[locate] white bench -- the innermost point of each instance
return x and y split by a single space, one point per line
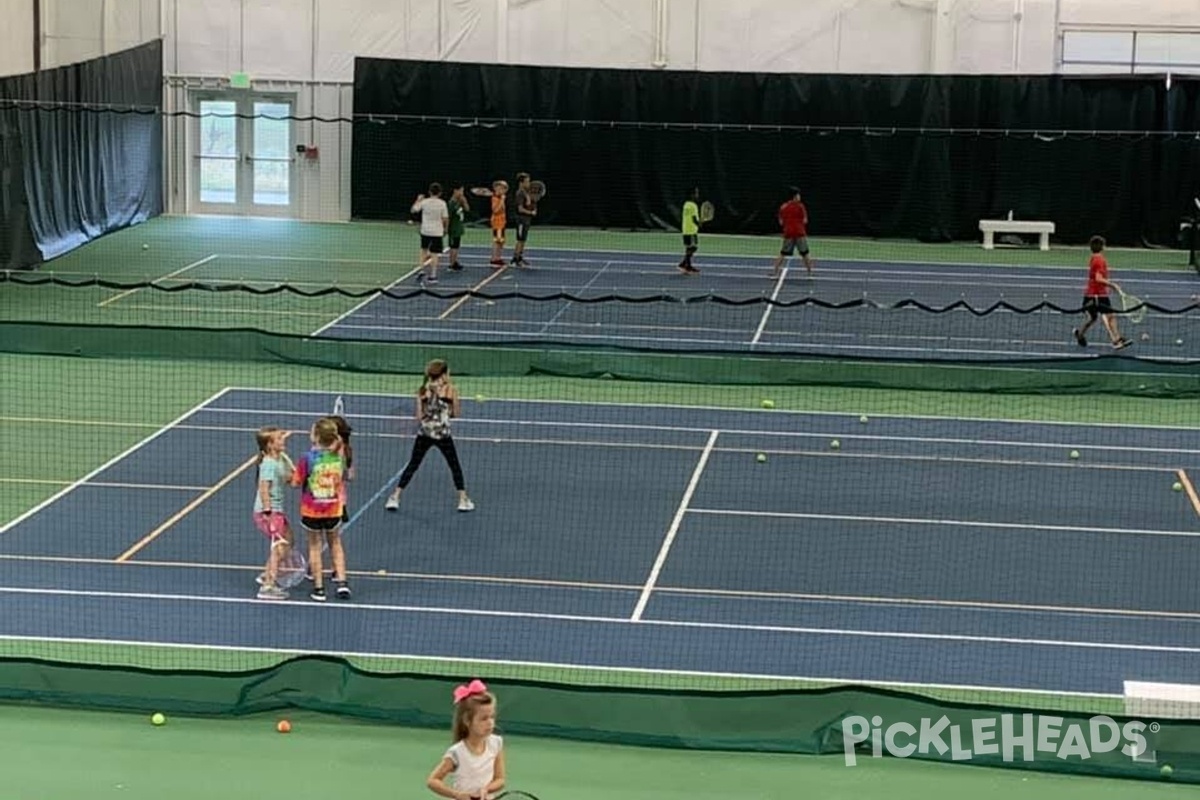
991 227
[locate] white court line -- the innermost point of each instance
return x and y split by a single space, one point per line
565 666
177 272
114 460
793 434
441 611
669 539
734 410
369 299
762 323
317 259
798 598
567 304
960 523
105 485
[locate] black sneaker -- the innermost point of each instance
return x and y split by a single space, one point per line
318 594
456 267
1082 342
1121 344
342 589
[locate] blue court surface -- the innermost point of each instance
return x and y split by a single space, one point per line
923 551
556 288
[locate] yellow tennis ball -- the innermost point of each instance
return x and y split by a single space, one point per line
1166 770
863 419
835 444
158 719
768 403
762 457
1177 486
478 398
1074 454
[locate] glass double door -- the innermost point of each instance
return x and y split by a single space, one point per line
243 157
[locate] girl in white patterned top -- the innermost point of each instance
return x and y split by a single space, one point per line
474 764
437 403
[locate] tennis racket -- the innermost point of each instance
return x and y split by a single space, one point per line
514 795
339 406
707 212
1129 303
481 191
537 190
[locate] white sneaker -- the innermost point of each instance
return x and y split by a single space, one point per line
392 504
466 505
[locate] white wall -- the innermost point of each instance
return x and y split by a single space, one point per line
307 47
16 37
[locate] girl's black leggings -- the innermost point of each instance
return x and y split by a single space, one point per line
421 447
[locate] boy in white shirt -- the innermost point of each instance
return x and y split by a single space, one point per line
435 216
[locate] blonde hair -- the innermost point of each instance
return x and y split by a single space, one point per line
263 438
467 709
325 431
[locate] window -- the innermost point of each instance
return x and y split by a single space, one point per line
1128 52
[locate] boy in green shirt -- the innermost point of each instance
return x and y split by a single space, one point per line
458 223
691 232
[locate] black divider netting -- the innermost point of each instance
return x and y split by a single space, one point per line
831 318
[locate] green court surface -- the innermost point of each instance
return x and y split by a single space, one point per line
66 755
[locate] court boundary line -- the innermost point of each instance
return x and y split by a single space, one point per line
741 410
676 523
105 484
766 315
443 611
364 303
1190 489
195 503
110 463
837 682
545 327
1015 526
789 434
168 276
456 305
630 588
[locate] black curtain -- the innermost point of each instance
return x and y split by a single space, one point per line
83 162
674 130
18 250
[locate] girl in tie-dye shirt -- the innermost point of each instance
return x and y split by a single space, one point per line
321 475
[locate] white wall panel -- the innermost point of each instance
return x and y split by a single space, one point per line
615 33
993 37
16 37
277 38
72 31
817 36
208 37
1168 13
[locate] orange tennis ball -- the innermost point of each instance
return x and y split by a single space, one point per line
284 726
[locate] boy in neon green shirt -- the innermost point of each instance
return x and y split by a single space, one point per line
691 232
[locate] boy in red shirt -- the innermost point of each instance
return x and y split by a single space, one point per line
793 218
1096 302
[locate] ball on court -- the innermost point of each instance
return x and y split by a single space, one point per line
1074 454
835 444
863 419
761 458
284 726
1166 770
1177 486
1145 337
145 247
381 572
1179 341
768 403
478 398
158 719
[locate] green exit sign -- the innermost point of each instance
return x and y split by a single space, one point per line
239 80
